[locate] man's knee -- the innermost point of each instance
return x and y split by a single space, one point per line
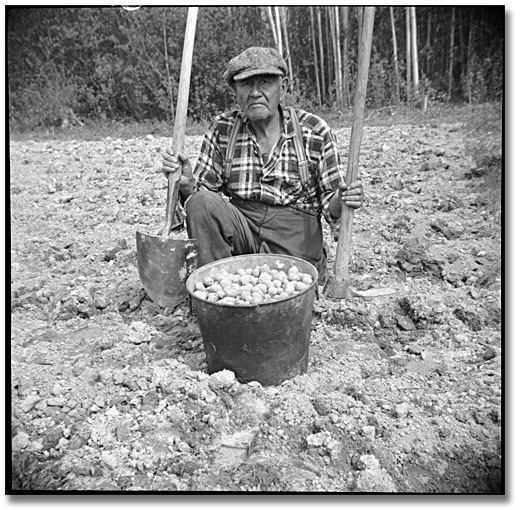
199 199
203 202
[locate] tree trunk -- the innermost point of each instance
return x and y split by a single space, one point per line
333 39
415 57
360 30
286 37
278 29
429 45
408 57
322 63
396 59
452 52
469 75
329 61
463 58
271 23
315 50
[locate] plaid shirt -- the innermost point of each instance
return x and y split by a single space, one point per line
277 180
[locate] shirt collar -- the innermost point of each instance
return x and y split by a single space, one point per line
289 130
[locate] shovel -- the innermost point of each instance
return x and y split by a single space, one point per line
338 287
164 263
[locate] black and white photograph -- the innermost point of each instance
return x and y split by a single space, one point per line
257 250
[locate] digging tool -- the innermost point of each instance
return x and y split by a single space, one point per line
338 287
164 263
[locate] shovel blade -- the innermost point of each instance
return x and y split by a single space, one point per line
164 265
339 289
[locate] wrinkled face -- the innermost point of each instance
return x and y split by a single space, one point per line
260 95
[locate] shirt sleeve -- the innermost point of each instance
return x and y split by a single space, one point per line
208 170
331 173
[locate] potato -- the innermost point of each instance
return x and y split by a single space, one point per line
201 294
307 279
300 286
273 291
214 288
244 279
293 276
212 297
227 301
226 281
252 286
231 292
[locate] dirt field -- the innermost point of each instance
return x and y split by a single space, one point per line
110 392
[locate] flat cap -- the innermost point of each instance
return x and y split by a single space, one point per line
254 61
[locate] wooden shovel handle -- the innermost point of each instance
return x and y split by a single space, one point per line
179 128
347 214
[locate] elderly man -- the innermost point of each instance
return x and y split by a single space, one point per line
279 170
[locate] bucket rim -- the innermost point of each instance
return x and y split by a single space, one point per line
192 277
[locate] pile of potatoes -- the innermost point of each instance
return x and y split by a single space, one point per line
252 286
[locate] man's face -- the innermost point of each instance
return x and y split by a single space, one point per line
260 95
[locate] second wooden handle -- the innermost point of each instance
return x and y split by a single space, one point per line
341 261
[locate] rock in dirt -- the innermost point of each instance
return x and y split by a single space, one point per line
401 410
374 478
449 231
30 402
110 254
20 441
221 380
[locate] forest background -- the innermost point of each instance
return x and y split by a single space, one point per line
76 65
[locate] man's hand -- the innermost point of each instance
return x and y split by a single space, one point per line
172 163
351 195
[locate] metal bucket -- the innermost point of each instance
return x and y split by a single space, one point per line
267 342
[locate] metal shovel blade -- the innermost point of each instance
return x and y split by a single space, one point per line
164 265
338 289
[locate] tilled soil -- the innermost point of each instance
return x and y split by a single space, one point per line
110 392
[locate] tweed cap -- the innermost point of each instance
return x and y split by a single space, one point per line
253 61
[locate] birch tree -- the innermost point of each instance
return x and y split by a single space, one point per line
452 54
408 56
315 53
322 60
283 15
272 25
278 29
335 59
415 57
396 58
469 71
338 54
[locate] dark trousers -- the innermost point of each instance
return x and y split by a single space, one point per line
225 228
